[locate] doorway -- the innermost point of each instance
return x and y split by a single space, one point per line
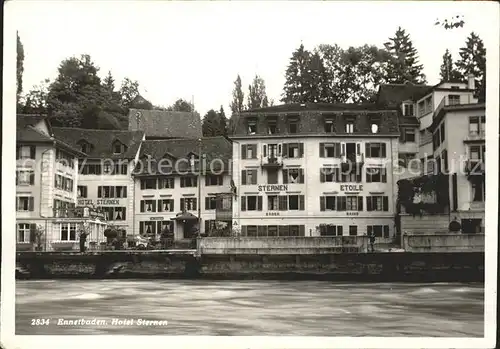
471 226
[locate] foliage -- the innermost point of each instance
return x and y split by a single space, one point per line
296 79
20 67
181 105
237 105
214 123
448 70
427 184
403 60
36 99
473 61
454 22
129 91
257 97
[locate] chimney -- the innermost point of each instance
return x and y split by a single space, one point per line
471 83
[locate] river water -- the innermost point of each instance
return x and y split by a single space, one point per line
298 308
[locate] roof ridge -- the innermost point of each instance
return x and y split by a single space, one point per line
95 129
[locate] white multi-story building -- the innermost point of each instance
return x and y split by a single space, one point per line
315 170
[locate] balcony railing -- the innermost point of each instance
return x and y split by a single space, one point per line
447 101
476 135
272 162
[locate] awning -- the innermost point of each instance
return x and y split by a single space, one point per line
184 216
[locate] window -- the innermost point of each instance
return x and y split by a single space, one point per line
377 203
444 157
293 175
293 125
478 189
91 169
82 191
428 105
330 230
62 208
349 127
477 125
84 146
189 204
24 232
118 147
374 128
251 203
329 126
63 183
149 183
249 151
441 132
353 230
248 177
166 183
166 205
272 203
409 135
112 192
106 169
353 203
25 203
68 231
210 203
329 174
189 182
408 109
147 228
114 213
329 150
353 176
293 202
453 99
378 230
375 150
120 169
272 176
25 152
293 150
25 177
212 180
327 203
64 158
252 127
376 175
272 127
148 205
341 203
421 108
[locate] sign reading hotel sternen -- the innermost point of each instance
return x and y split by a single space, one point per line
99 202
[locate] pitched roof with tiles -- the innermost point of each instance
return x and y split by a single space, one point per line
165 124
216 150
101 141
312 117
394 94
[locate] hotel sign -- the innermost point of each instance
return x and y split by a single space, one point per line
99 202
351 187
272 213
272 187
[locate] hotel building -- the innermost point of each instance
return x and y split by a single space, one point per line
179 194
315 170
449 128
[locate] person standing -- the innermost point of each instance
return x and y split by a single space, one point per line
372 242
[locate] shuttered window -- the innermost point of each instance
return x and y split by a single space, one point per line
377 203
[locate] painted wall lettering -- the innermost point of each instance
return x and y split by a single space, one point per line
273 187
351 187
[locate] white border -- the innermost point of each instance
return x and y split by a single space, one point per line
9 340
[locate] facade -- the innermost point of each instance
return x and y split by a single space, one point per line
315 170
46 188
179 195
105 181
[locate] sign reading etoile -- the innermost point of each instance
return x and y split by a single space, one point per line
272 187
351 187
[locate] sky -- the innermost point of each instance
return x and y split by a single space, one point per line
195 50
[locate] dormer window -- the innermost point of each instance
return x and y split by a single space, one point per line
252 127
349 126
293 125
84 146
374 128
329 125
118 147
272 126
408 109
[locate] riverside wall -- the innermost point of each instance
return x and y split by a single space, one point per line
292 265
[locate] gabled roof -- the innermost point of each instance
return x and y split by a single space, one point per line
323 107
101 141
394 94
165 124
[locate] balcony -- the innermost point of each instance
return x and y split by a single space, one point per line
476 136
273 162
447 101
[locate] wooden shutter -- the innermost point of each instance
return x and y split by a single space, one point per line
284 150
343 203
322 175
369 203
322 203
243 151
402 135
367 150
254 151
301 202
322 150
171 205
339 230
360 203
285 176
32 232
264 150
32 152
301 175
160 207
142 205
124 192
195 204
207 226
337 150
31 204
358 148
207 180
207 203
112 192
386 203
359 174
183 204
369 230
384 150
302 230
99 190
254 177
383 175
259 203
243 177
386 231
283 202
243 203
301 150
17 177
243 230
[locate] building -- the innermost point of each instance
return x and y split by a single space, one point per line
177 194
105 168
315 170
449 127
46 194
161 124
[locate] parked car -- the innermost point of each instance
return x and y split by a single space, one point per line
142 243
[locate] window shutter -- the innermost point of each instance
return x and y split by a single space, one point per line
360 203
171 205
369 229
124 192
301 150
301 202
17 177
254 151
402 135
183 204
369 203
301 175
386 231
207 180
302 230
322 203
383 175
18 151
243 177
343 203
243 203
339 230
359 174
195 204
32 152
112 192
337 150
384 151
99 190
207 203
142 205
207 227
284 149
386 203
243 230
243 151
259 203
367 150
322 150
160 207
32 232
254 177
358 148
285 176
264 150
31 203
283 202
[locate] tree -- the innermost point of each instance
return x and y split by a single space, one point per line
295 90
237 105
403 64
213 124
454 22
315 80
129 91
333 62
20 67
473 61
181 105
223 121
448 71
36 99
257 97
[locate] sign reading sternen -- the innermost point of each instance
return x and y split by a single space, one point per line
272 187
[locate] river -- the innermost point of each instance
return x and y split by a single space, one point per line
252 308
